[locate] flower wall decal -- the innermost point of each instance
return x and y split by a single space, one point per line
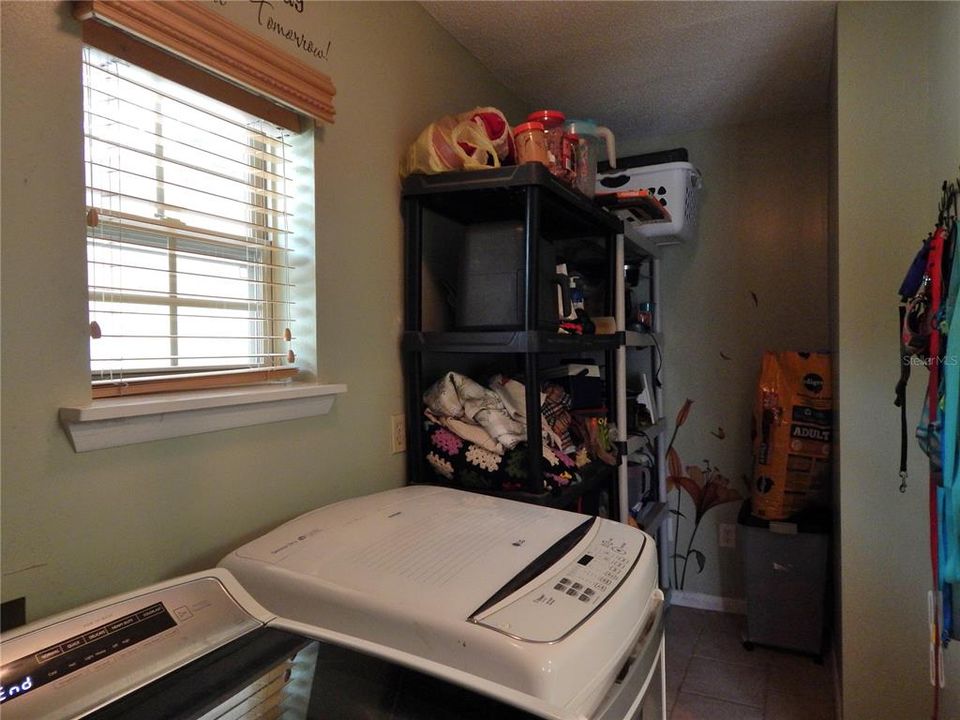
707 488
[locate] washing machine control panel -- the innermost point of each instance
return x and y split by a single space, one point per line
564 601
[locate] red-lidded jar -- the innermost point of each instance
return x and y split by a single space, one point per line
548 118
531 143
552 121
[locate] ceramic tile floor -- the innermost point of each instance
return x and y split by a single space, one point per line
710 676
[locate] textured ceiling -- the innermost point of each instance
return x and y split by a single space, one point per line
653 68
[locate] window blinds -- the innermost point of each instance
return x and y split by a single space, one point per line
188 229
195 33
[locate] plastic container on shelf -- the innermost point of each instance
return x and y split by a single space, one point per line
590 135
676 185
531 143
560 144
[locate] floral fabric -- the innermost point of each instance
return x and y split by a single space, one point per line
471 466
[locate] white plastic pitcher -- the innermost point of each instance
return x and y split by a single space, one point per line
588 152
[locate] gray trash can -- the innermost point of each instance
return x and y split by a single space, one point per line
785 579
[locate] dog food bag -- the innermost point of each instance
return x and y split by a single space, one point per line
793 422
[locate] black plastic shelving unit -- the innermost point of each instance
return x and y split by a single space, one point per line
507 342
549 212
644 349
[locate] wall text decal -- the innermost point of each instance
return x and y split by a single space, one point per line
266 19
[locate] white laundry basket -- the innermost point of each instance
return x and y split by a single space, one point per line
676 185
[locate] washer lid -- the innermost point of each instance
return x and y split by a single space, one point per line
446 551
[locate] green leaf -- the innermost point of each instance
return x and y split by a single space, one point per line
473 479
516 464
701 560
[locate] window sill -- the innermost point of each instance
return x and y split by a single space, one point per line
124 421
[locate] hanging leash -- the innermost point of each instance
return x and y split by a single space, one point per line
935 274
928 298
914 338
901 401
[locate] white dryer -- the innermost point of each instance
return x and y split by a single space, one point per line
516 600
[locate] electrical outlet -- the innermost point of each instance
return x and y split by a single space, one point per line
398 434
13 614
728 535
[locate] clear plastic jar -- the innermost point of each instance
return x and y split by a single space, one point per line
559 152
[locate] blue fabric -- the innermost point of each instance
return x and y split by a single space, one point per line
946 602
950 299
913 278
949 495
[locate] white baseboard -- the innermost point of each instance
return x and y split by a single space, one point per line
702 601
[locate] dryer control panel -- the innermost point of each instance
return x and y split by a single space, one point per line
559 604
69 665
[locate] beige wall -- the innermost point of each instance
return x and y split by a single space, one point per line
763 229
77 527
898 126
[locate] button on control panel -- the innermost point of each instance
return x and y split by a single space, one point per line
596 572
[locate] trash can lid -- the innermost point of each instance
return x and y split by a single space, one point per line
814 520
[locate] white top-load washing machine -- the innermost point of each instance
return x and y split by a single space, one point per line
553 606
200 648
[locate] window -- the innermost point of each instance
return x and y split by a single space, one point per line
188 235
189 224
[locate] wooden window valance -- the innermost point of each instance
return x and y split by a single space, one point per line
202 37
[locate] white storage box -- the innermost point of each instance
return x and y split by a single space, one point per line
676 185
